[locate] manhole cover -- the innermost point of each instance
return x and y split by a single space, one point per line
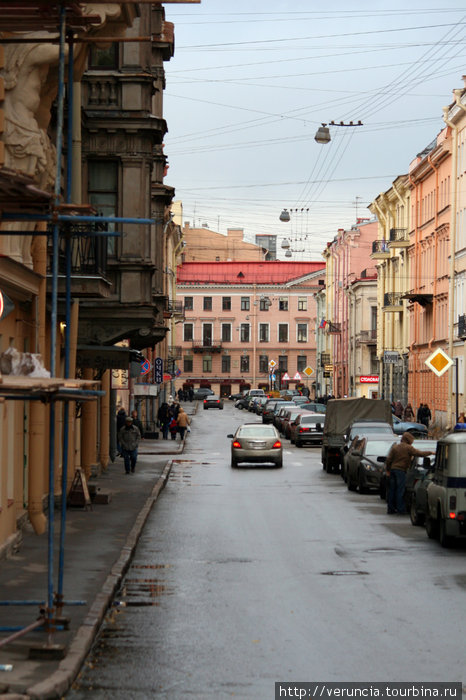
345 573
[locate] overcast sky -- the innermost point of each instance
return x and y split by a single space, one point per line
248 87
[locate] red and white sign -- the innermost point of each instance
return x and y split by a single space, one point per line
286 377
369 379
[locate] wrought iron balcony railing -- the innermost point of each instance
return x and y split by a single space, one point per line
399 237
462 326
174 307
392 300
207 345
324 359
367 336
333 327
88 253
380 248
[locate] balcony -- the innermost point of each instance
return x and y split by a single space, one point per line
333 327
462 327
399 238
392 302
367 337
207 346
175 353
88 256
380 250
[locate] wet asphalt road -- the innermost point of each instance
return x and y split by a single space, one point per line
248 576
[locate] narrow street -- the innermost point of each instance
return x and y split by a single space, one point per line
248 576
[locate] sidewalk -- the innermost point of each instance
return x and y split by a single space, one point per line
99 545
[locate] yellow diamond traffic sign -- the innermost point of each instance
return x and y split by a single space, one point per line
439 362
308 371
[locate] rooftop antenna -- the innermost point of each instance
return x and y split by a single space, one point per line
356 202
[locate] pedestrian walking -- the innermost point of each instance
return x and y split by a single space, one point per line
129 437
137 422
173 427
163 417
191 393
180 394
420 413
408 413
397 464
183 422
398 410
426 416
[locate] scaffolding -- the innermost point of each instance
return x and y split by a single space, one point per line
64 219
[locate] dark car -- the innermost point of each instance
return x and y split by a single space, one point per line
202 393
316 407
213 402
403 426
307 429
239 395
289 415
365 461
363 428
269 408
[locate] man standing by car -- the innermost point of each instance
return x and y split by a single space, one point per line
397 464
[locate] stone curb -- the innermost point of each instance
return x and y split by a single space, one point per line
61 680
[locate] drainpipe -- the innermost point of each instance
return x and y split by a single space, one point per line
416 396
434 310
454 167
385 223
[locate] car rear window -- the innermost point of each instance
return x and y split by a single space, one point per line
311 419
257 431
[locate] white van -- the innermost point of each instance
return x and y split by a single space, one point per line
446 495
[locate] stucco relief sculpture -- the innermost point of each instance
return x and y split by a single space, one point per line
30 88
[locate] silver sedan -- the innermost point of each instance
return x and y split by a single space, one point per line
256 443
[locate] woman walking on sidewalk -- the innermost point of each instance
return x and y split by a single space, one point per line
183 422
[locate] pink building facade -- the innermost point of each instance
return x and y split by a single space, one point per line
248 324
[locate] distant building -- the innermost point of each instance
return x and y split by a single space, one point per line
248 324
203 245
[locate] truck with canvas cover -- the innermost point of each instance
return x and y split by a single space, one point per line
340 414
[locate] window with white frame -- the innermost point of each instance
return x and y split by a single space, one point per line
207 363
245 335
301 332
263 363
302 303
282 332
302 363
264 333
226 332
245 303
244 363
283 303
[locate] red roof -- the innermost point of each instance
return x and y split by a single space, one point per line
265 272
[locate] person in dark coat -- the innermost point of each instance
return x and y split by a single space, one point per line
137 422
129 437
163 417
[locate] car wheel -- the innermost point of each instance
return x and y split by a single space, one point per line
234 463
416 518
431 527
205 408
298 444
279 464
383 490
361 483
349 483
221 408
445 540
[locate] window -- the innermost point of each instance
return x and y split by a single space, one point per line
264 333
226 363
207 363
282 332
283 303
373 318
226 332
301 332
103 195
283 363
245 305
302 303
264 303
245 333
244 363
188 303
188 332
188 364
264 363
302 363
103 59
226 303
207 303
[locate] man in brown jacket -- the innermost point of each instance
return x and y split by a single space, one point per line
397 464
183 422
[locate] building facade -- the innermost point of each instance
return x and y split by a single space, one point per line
248 324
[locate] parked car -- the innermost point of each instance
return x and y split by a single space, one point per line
278 419
238 395
280 405
269 408
242 402
365 461
300 400
202 393
417 505
289 415
404 426
362 428
213 402
259 403
307 428
288 393
419 467
256 443
446 494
